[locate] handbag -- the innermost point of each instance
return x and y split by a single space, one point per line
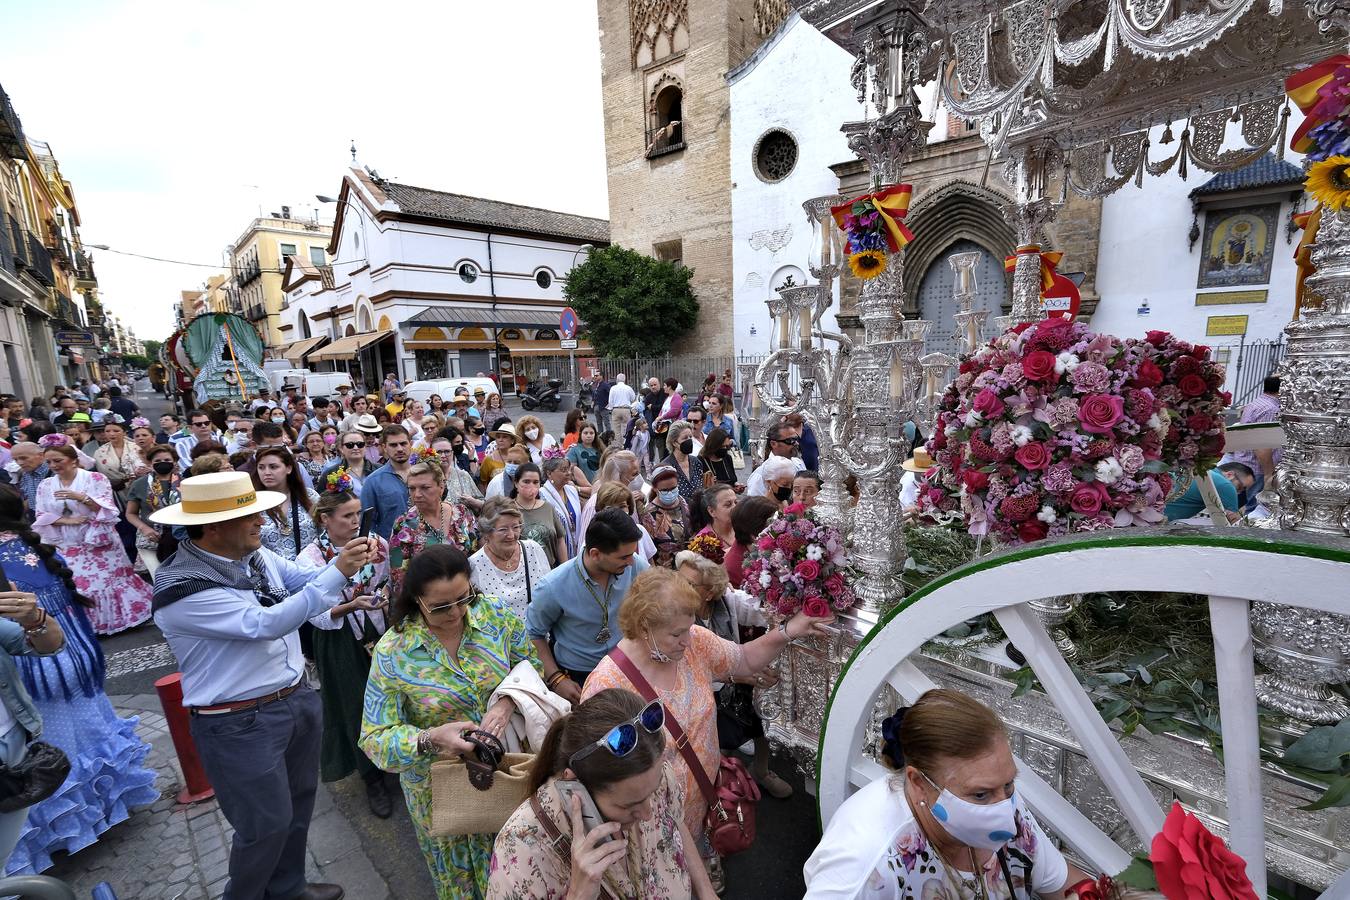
730 820
737 457
477 796
35 778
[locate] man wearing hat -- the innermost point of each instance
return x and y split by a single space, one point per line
479 401
230 611
344 398
462 408
395 406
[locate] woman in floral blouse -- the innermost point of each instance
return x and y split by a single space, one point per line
447 649
430 520
637 794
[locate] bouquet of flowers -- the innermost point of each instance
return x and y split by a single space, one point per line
338 480
708 546
797 564
421 453
873 228
1051 428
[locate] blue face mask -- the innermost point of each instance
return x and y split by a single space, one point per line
668 498
511 469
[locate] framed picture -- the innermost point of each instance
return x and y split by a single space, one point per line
1238 245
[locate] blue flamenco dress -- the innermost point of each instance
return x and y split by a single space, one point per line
107 773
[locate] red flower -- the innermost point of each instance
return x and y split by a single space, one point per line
1088 498
1200 351
1227 398
988 404
1193 386
1157 338
1032 530
967 365
1051 324
1021 327
835 584
1192 864
1039 365
1148 375
975 480
938 441
817 607
1199 422
1033 455
1184 366
808 569
1100 412
1018 509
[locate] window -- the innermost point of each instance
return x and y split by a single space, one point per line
543 278
316 256
665 117
670 251
288 250
775 155
468 273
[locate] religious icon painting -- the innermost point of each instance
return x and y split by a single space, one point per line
1238 245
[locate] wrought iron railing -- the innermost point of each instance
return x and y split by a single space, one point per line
12 141
40 261
84 266
67 310
13 232
7 261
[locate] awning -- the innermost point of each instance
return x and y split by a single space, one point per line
348 347
448 345
545 348
484 317
295 352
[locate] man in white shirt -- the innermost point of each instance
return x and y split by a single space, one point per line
621 400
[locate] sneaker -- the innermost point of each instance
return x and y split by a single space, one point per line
773 785
716 874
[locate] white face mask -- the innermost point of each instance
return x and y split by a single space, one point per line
531 433
636 483
984 827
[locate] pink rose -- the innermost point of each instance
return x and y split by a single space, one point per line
1033 456
1087 498
1193 385
817 607
835 584
766 542
1100 412
808 569
988 404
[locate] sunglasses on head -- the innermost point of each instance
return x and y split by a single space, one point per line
468 598
622 738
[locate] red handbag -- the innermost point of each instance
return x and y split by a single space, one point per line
730 820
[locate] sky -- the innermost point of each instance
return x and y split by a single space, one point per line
178 122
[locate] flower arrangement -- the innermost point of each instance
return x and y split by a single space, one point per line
421 453
554 452
1329 181
1051 428
798 564
53 440
708 546
1322 92
338 481
873 227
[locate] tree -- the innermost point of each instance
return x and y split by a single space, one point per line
632 304
152 349
136 362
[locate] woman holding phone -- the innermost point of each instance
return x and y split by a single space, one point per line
343 639
605 812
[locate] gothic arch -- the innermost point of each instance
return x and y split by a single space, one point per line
665 113
956 211
365 316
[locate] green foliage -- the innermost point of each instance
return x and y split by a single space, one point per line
1325 751
633 305
932 552
1139 875
152 348
139 362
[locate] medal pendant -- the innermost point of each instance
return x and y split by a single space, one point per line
603 635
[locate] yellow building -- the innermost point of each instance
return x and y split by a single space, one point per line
258 258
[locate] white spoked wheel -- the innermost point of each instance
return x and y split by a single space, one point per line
1232 566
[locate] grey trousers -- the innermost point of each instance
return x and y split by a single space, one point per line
264 766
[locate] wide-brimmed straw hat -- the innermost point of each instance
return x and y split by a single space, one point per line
921 461
506 428
217 497
368 424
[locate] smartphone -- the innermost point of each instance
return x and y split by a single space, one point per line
367 521
590 816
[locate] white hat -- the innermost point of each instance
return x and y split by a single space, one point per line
506 428
367 424
217 497
921 461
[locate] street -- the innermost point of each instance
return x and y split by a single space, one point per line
180 852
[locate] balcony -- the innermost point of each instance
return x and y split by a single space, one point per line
12 142
247 273
40 261
66 310
84 270
255 312
7 261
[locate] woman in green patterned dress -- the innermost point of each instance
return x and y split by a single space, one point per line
447 649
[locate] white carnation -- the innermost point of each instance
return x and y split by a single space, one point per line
1109 470
815 552
1154 422
765 579
1021 435
973 419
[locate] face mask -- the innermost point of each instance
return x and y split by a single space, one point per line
668 498
687 446
636 483
656 654
512 469
707 405
330 438
531 433
782 494
975 825
459 449
163 467
278 420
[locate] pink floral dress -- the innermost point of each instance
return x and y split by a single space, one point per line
94 551
412 532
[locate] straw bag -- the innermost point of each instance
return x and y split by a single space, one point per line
477 796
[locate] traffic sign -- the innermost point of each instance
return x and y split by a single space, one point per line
567 324
568 343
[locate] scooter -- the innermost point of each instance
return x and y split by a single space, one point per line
539 396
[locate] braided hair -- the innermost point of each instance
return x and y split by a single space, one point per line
12 518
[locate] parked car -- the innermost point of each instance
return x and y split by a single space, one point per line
421 390
325 384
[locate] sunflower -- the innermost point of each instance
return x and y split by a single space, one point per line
1328 182
871 263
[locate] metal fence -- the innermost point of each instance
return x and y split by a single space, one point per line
688 370
1248 363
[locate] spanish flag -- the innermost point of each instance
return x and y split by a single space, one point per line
1309 221
1302 89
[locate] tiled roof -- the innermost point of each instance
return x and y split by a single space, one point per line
1264 172
419 201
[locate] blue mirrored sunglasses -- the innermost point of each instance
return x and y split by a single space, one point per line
622 738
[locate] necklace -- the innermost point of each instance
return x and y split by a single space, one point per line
604 634
503 561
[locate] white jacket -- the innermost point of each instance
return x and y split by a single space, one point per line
536 708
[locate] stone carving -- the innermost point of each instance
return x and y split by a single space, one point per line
650 20
769 14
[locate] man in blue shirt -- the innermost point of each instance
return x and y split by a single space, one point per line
230 611
578 602
386 490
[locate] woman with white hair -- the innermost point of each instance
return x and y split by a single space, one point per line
775 479
618 467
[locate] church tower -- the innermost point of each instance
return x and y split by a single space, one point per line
668 137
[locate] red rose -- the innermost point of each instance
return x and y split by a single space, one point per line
967 365
1157 338
988 404
1100 412
1200 351
1199 422
808 569
938 441
835 584
1147 376
1039 365
1227 398
1033 455
1052 324
817 608
1032 530
1193 386
1087 498
1192 864
975 480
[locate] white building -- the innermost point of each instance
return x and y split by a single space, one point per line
430 284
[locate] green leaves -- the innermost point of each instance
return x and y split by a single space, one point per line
1139 875
632 304
1322 749
1338 794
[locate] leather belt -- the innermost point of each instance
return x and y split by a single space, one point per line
237 705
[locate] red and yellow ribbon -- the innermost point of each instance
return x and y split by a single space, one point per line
1053 284
892 205
1302 88
1309 221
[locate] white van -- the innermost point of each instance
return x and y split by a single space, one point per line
421 390
325 384
279 378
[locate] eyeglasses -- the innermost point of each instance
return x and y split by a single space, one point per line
445 453
505 530
360 446
468 599
622 739
791 442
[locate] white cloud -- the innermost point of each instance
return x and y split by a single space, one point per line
177 121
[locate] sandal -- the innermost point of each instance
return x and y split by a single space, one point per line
716 874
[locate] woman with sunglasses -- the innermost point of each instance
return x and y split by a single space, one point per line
447 649
351 458
681 661
613 744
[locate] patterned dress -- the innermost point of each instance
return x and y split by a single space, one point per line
709 659
94 552
525 866
415 684
412 532
278 533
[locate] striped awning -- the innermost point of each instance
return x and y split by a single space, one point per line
295 352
